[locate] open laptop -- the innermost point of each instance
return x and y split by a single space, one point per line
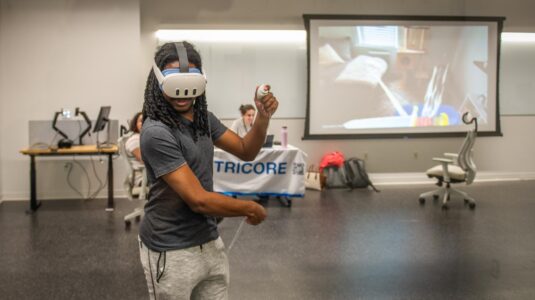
269 141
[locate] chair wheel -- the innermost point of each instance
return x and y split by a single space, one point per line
472 205
435 197
138 218
444 207
421 200
466 201
127 224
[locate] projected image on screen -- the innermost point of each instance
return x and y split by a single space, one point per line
401 76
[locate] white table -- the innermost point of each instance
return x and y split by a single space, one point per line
277 171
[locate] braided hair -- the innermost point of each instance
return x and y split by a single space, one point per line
155 105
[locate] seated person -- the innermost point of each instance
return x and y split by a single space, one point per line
242 125
133 151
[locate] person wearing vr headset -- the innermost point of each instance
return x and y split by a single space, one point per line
182 254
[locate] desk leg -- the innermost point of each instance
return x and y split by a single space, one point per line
110 183
34 205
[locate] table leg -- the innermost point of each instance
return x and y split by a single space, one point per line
285 201
34 205
110 183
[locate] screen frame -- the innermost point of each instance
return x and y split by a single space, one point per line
309 17
102 119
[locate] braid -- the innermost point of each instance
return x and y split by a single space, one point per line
157 108
200 119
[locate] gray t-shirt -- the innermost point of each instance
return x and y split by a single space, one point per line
169 223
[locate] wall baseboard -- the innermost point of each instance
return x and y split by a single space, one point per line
421 178
118 193
376 178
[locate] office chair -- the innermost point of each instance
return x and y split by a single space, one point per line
457 168
133 191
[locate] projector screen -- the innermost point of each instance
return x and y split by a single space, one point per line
401 76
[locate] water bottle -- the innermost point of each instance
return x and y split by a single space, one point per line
284 137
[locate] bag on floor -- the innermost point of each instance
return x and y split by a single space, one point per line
332 159
314 180
356 175
335 177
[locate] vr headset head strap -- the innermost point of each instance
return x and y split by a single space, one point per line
182 57
157 72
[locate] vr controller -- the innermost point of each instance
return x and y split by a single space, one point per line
262 90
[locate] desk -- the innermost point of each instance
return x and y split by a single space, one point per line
74 150
276 171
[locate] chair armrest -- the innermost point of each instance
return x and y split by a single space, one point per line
452 155
443 160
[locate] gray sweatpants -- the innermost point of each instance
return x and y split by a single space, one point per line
200 272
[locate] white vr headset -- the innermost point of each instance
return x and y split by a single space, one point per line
185 82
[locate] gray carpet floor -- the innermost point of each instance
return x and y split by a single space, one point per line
335 244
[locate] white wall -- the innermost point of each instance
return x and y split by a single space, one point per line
91 53
507 154
63 54
283 14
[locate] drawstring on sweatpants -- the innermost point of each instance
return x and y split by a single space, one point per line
160 269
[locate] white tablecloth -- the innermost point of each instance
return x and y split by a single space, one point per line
276 171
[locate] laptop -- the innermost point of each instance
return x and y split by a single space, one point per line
269 141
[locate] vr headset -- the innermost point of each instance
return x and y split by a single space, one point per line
184 82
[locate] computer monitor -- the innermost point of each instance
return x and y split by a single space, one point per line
100 124
102 119
269 141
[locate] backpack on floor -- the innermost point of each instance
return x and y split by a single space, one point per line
356 175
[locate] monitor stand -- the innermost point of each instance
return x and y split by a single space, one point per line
106 144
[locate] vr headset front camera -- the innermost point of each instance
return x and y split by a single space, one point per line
185 82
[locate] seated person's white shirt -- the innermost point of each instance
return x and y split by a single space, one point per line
132 144
239 127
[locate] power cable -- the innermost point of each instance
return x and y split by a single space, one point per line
69 165
87 176
101 185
